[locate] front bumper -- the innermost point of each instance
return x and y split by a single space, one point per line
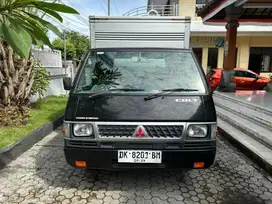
174 156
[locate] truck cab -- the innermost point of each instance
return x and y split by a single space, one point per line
147 106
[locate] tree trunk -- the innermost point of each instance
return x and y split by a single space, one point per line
16 77
16 80
28 90
5 73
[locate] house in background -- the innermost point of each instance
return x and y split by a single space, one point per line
254 43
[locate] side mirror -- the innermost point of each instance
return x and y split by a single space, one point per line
67 83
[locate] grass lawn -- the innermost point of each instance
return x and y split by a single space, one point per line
51 108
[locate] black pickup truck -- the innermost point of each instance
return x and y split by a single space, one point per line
139 108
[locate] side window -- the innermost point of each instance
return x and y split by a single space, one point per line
240 74
85 78
250 75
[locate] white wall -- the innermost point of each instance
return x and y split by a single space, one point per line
52 61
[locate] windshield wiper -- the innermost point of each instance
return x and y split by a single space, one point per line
103 93
168 92
98 94
180 89
126 89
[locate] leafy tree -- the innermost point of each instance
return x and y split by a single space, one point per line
80 43
70 48
20 27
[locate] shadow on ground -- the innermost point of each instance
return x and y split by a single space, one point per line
231 180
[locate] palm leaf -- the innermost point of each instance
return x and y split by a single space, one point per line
14 36
56 7
20 27
51 13
45 23
36 30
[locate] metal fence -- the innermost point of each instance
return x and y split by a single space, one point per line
162 10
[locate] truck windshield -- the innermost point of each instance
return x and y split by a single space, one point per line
140 72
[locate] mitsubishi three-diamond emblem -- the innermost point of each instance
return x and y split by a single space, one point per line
140 132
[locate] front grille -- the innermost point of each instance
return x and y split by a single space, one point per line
79 143
153 131
164 131
116 130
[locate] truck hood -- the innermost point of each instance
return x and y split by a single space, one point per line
135 108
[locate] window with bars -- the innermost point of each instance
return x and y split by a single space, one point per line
260 59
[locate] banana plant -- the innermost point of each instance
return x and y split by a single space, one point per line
21 26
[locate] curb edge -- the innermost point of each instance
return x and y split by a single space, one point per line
11 152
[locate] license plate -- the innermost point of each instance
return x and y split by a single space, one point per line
139 156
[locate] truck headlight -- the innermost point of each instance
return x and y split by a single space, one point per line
197 130
83 129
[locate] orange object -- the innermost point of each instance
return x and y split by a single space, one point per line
244 79
80 163
217 133
199 165
63 132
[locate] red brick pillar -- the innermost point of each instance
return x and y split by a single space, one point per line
226 82
230 45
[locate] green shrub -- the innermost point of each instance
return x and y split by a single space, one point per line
41 80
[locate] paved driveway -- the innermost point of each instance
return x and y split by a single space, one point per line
41 175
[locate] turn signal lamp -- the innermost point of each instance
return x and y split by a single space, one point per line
81 164
199 165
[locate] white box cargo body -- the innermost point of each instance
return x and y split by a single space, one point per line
140 32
